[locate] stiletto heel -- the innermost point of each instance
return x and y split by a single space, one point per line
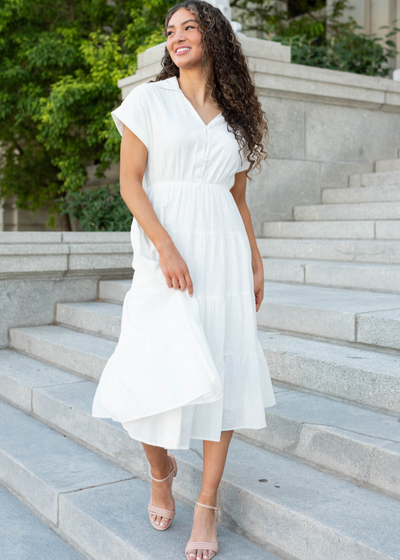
193 545
155 510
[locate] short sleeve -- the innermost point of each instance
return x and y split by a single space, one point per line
133 113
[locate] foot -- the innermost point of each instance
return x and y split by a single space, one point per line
161 492
204 529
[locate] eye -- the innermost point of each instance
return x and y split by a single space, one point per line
187 27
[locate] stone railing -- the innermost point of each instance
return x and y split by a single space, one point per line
38 270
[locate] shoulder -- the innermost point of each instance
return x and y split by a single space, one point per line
137 94
145 93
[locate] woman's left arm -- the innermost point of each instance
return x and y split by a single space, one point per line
239 194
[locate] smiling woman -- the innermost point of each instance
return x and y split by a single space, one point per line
188 363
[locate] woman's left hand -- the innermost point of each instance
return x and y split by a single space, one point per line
258 274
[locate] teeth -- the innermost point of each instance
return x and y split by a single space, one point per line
183 49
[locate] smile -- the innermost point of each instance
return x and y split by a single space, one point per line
182 50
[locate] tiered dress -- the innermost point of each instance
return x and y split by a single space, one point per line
186 367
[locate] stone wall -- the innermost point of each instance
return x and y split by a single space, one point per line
38 270
324 125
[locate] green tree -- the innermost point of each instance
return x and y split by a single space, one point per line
60 62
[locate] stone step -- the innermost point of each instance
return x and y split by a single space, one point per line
345 250
334 274
82 353
380 179
96 317
77 352
272 490
98 506
332 435
386 165
114 290
345 315
360 211
380 229
24 537
329 434
363 377
389 193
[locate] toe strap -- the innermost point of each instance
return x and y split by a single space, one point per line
169 513
193 545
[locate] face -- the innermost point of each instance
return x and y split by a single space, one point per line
182 32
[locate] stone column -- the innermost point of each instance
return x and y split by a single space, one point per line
225 8
1 214
10 214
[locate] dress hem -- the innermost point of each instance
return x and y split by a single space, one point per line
199 437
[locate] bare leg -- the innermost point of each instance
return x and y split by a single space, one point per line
161 492
204 526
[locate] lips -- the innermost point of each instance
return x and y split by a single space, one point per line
178 51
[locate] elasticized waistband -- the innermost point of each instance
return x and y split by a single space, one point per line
189 184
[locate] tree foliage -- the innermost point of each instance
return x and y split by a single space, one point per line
321 37
60 62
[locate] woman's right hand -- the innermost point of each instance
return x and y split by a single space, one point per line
175 269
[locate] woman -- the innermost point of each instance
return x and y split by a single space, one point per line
188 363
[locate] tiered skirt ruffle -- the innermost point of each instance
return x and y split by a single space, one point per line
189 367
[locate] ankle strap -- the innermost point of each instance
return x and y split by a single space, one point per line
217 509
162 479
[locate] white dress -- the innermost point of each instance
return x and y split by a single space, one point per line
186 367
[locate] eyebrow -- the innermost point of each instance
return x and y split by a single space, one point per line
183 23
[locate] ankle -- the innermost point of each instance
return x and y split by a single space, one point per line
209 499
161 470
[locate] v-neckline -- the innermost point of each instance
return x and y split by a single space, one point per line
196 112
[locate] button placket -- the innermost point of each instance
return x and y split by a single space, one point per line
205 158
207 145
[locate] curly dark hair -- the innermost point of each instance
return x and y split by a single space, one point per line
228 80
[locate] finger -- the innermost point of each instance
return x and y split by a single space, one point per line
189 283
182 282
175 282
168 280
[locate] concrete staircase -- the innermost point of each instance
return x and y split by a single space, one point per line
351 240
320 482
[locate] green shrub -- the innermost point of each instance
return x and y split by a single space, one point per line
98 209
320 36
344 50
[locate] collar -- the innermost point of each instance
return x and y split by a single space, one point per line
169 83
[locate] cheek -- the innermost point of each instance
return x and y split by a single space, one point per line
197 49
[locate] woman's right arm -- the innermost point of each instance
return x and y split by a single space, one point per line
132 167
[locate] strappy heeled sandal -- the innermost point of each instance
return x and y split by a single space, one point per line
193 545
155 510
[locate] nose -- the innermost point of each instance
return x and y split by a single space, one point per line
177 43
179 36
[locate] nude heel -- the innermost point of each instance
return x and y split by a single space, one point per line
193 545
155 510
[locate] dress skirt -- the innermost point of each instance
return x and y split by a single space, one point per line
189 367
